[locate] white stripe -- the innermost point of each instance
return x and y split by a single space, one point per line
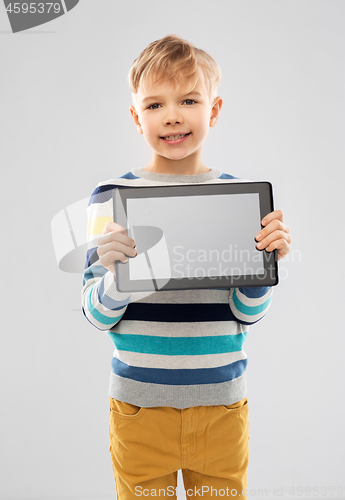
140 181
226 181
109 313
94 321
178 362
180 329
177 396
110 288
247 317
104 209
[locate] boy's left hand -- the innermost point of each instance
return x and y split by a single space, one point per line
275 234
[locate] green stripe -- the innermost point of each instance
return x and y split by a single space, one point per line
249 310
101 318
177 346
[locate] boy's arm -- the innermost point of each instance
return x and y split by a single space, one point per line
102 304
250 304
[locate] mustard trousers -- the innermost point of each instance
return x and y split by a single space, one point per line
208 443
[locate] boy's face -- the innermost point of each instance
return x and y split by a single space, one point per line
163 111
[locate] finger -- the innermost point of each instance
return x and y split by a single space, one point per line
276 214
110 257
116 246
274 225
272 237
282 246
120 236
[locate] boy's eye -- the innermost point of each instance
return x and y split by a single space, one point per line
150 107
154 106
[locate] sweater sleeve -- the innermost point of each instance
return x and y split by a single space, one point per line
102 304
250 304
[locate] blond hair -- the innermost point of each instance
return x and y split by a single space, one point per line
170 58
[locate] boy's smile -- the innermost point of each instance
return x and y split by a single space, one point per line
175 139
175 124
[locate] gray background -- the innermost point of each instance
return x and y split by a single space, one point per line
65 126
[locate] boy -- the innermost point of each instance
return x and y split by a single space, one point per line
178 379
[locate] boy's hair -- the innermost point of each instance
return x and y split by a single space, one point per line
172 57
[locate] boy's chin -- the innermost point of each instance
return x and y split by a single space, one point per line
175 155
176 161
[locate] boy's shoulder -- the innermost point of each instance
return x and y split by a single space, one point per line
114 182
103 190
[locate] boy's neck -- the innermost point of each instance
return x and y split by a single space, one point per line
162 165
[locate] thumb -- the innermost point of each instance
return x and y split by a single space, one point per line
113 227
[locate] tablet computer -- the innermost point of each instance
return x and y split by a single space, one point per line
195 236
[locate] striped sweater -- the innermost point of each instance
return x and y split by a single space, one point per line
177 348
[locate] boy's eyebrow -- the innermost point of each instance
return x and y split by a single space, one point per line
158 97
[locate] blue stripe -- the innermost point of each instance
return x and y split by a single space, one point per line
178 346
179 312
93 272
254 292
129 175
249 310
228 176
108 302
103 193
91 257
101 318
180 377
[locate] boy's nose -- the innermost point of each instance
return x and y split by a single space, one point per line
172 117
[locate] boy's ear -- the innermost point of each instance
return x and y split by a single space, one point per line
217 105
136 119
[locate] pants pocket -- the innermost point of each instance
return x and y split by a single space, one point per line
122 410
236 406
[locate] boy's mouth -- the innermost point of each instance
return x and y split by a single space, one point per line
174 137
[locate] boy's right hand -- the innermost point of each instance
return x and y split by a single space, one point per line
114 244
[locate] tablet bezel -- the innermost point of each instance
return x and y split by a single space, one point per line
270 261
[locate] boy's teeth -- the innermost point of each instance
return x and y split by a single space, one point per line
174 137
